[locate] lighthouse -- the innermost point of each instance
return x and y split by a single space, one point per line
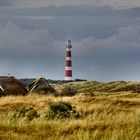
68 66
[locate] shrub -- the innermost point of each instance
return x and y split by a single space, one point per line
25 112
45 90
61 110
68 91
79 80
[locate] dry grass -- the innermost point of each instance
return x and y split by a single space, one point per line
93 86
112 117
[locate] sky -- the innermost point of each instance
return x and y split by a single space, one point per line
105 35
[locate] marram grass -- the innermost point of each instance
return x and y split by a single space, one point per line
112 117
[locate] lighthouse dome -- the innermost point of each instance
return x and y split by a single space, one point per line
68 44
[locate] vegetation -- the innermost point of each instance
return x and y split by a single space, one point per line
94 86
68 91
47 89
84 86
61 110
113 116
24 112
84 110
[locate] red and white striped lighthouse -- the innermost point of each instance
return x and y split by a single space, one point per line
68 67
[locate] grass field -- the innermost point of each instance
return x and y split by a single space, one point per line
113 116
94 86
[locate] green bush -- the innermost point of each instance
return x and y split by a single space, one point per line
25 112
61 110
45 90
68 91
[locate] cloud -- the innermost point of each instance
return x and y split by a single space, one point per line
114 3
105 41
120 46
14 39
7 2
73 11
116 57
31 53
75 22
129 72
29 50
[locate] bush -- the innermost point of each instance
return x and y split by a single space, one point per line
61 110
79 80
68 91
45 90
25 112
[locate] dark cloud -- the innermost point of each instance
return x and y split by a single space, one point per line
105 42
23 50
116 57
119 48
77 10
113 3
17 42
38 51
76 22
6 2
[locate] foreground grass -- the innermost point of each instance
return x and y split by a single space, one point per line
103 117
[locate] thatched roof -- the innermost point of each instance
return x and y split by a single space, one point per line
11 86
37 83
40 85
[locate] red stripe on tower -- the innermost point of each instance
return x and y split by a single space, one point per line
68 63
68 67
68 53
68 72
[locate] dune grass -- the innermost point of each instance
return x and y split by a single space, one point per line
94 86
112 117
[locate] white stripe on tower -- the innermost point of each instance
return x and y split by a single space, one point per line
68 58
68 67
